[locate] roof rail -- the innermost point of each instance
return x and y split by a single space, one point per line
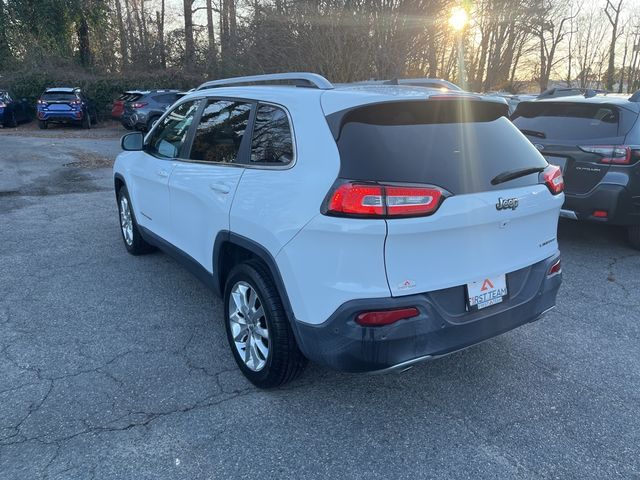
300 79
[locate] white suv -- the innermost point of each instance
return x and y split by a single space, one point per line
366 228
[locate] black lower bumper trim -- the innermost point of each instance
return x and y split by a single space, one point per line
440 329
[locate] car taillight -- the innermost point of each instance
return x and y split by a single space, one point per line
379 200
385 317
611 154
555 269
553 179
138 104
42 102
75 102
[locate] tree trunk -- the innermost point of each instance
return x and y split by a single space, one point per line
189 46
82 29
212 59
123 36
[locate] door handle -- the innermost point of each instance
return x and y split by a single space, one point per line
219 187
162 173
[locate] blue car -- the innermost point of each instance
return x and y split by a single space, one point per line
12 110
66 105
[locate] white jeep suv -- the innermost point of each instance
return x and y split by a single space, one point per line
366 228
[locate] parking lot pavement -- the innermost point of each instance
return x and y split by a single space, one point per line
117 367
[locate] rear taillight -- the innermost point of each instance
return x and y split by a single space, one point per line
611 154
75 102
385 317
42 102
555 269
553 179
138 104
376 200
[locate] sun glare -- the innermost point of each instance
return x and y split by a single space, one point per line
458 19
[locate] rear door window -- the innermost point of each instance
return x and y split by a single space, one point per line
220 132
568 121
170 134
459 145
272 142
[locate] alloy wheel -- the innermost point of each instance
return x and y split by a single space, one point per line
126 221
248 324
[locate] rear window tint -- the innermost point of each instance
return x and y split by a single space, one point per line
166 98
457 145
568 121
59 96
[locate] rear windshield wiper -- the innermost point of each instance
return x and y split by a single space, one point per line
513 174
533 133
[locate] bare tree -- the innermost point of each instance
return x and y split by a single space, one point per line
613 15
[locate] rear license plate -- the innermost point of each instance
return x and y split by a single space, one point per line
558 161
59 107
486 292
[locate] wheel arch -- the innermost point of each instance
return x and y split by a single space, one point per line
230 248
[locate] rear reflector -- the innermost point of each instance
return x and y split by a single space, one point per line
600 213
611 154
374 200
555 268
385 317
553 179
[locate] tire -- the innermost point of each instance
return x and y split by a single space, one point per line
152 121
250 283
133 241
634 236
43 125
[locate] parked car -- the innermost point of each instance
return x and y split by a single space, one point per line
66 105
117 108
364 228
12 110
513 99
142 112
595 140
425 82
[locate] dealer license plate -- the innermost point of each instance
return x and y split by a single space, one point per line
486 292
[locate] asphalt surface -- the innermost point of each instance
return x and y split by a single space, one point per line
117 367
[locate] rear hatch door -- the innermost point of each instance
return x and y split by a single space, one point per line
61 101
567 132
480 230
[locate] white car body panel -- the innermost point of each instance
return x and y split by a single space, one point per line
468 238
273 204
331 261
148 185
201 197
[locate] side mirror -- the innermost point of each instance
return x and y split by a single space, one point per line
132 142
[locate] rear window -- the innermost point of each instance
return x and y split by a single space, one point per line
59 96
459 145
568 121
168 98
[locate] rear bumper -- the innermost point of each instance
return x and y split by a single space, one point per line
63 117
442 327
622 204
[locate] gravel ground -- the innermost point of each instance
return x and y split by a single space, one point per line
117 367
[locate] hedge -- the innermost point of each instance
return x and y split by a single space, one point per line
102 88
